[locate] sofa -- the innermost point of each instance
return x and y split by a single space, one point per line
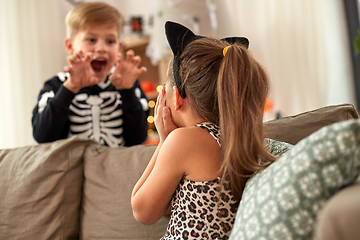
78 189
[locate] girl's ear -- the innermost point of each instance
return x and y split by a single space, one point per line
68 46
178 101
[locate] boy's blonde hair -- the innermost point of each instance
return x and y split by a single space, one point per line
92 13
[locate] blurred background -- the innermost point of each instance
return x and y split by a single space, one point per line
307 47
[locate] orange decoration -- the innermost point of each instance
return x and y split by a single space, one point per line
269 105
148 86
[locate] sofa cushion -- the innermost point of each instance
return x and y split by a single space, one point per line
40 190
294 128
110 175
283 200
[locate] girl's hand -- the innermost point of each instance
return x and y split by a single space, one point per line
163 120
126 71
79 70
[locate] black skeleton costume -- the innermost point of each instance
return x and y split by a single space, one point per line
100 112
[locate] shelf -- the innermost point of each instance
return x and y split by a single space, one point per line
138 42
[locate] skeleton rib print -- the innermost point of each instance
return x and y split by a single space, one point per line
97 117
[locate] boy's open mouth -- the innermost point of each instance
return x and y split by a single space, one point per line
98 65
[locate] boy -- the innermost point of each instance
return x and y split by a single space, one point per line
92 98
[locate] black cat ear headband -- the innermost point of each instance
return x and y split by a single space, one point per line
179 37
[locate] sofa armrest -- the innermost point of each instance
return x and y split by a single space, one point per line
294 128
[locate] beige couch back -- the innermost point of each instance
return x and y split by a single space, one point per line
76 188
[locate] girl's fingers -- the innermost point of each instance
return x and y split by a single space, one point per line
160 101
168 122
157 103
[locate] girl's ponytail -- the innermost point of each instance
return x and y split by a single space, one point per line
242 89
228 87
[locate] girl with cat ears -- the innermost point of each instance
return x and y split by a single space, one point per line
216 85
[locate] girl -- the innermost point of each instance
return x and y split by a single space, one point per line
195 174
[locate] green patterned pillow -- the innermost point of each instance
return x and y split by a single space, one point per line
283 200
276 148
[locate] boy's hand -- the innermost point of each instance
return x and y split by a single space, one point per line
126 71
79 70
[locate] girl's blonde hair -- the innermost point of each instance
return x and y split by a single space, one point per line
229 91
92 13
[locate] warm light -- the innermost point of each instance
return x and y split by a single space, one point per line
150 119
269 105
127 40
151 104
158 88
150 132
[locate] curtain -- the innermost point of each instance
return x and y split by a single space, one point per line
352 9
31 47
304 47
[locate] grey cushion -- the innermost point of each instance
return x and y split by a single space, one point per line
110 175
294 128
41 190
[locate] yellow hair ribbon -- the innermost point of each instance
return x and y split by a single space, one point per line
225 50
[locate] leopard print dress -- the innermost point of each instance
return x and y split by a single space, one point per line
200 210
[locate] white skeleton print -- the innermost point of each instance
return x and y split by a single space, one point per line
97 112
96 117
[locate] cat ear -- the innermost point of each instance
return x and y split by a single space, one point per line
240 40
178 36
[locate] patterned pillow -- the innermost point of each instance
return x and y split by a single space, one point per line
283 200
276 148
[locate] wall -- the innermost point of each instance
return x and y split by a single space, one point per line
301 43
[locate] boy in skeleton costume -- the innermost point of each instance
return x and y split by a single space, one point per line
98 96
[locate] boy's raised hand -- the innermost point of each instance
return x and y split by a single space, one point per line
126 71
79 70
